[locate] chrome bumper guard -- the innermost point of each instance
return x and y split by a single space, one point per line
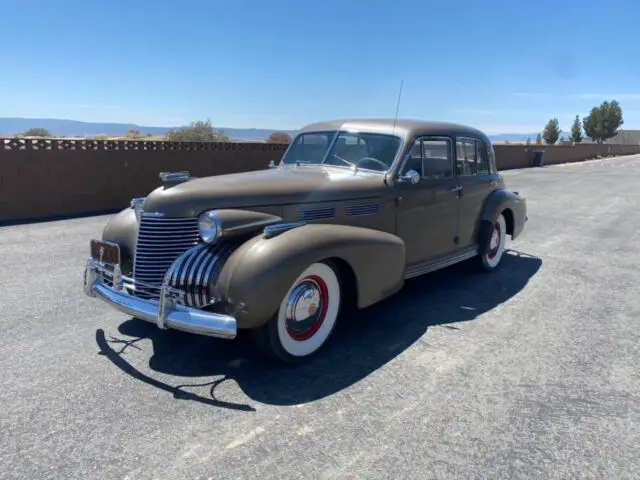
165 313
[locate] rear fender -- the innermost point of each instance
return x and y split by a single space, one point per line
512 204
258 274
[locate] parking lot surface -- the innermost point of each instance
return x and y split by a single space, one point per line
532 371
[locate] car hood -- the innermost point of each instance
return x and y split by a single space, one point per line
279 186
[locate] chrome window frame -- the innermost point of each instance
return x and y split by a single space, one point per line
405 160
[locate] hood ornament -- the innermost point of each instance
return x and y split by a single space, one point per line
171 179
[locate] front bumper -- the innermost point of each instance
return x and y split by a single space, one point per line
166 313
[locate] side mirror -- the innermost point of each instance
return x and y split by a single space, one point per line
272 164
411 177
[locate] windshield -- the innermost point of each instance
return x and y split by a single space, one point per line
370 151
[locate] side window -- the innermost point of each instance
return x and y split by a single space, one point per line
436 158
414 158
466 156
483 159
431 157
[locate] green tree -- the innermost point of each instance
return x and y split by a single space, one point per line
200 131
279 137
527 141
551 131
576 131
133 134
603 122
37 132
538 139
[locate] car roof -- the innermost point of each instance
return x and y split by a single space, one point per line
402 126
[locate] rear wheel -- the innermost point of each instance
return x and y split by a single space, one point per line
493 246
306 317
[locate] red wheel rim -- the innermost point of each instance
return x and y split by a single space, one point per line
310 301
498 232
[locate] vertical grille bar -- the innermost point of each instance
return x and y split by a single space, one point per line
160 241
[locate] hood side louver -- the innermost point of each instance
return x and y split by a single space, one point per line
316 213
363 209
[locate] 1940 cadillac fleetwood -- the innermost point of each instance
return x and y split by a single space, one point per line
353 209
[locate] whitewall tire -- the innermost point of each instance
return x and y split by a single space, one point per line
495 246
307 315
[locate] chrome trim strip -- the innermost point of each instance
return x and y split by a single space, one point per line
256 224
167 219
198 295
432 266
191 286
275 230
218 260
166 313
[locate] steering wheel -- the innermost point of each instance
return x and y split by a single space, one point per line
375 160
342 159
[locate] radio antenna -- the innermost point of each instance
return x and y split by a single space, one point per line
395 119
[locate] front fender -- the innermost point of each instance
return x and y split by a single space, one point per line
260 272
514 206
122 229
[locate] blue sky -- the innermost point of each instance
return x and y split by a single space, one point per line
504 66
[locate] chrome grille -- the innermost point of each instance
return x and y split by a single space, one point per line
160 241
196 270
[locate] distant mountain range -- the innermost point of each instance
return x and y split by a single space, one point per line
73 128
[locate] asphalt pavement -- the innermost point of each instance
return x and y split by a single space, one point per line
532 371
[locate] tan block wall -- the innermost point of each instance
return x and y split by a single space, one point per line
49 178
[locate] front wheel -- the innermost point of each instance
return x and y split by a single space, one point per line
493 247
306 317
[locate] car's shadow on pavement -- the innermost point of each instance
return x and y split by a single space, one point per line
360 344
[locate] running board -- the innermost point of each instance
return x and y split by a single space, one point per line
441 262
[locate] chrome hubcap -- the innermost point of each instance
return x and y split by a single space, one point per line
494 243
306 308
495 240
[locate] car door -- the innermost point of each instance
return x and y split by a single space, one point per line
476 182
426 214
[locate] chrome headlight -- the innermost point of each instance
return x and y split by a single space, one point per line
209 226
136 205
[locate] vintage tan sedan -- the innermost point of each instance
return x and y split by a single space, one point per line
354 208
